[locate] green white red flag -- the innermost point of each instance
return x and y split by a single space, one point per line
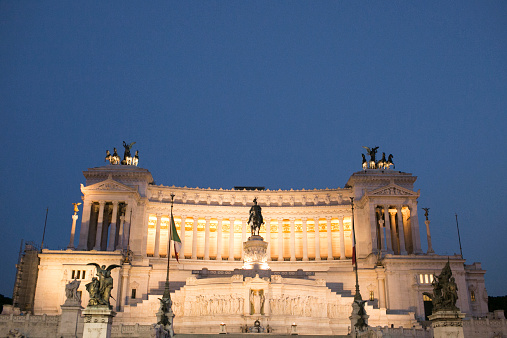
176 239
353 248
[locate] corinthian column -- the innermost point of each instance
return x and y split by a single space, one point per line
156 252
414 224
388 230
85 226
243 236
305 239
280 239
194 237
268 237
98 237
403 249
231 238
342 239
317 239
73 232
329 239
219 239
292 240
182 237
206 239
112 227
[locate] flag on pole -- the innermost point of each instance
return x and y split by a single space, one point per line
176 239
353 248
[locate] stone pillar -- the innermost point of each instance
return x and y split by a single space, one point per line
292 243
382 292
305 239
194 237
342 239
124 282
112 227
388 230
85 225
156 252
447 324
428 235
231 238
98 322
72 233
268 237
69 319
317 239
219 239
126 226
243 236
206 239
182 236
395 235
373 229
403 249
414 225
121 240
329 239
383 248
280 239
98 237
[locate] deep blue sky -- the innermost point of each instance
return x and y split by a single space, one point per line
270 93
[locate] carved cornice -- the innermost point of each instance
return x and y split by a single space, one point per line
282 198
392 190
109 186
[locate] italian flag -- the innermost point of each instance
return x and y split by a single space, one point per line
353 249
176 239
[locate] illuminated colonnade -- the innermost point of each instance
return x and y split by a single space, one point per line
221 238
395 229
104 226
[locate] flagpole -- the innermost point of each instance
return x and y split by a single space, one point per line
166 291
459 238
357 296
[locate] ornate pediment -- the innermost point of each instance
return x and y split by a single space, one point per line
392 190
108 185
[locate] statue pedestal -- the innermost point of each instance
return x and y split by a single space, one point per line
97 322
255 254
358 320
71 313
447 324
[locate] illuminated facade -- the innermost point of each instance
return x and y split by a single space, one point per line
308 230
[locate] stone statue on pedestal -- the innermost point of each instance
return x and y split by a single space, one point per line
100 289
445 291
255 220
73 297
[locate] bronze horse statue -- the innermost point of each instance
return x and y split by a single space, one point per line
255 220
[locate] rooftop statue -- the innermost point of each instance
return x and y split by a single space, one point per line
445 291
390 161
76 209
255 218
100 288
372 152
127 157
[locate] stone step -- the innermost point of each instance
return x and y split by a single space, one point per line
251 335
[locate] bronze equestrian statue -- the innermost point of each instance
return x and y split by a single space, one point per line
255 220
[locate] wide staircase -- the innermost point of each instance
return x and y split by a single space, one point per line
158 292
